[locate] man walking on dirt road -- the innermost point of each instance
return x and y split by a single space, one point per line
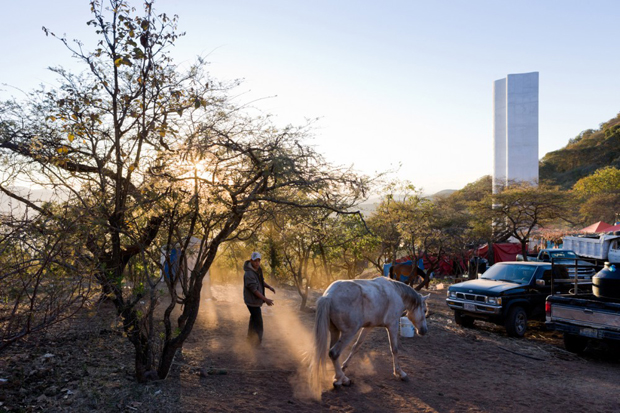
254 296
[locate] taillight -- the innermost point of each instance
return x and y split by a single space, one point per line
548 308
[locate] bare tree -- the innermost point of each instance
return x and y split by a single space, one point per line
152 159
306 245
521 208
43 279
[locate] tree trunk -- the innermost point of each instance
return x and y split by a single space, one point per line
491 253
524 249
167 357
328 275
304 268
304 301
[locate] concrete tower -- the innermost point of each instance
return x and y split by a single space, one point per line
515 130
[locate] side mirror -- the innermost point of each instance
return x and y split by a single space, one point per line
540 283
519 257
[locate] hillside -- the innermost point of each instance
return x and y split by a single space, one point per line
443 193
591 150
370 205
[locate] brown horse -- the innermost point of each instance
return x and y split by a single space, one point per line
408 274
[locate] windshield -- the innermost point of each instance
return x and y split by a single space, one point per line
520 274
563 254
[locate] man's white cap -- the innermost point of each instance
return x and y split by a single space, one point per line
255 256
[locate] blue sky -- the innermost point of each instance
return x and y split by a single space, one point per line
394 82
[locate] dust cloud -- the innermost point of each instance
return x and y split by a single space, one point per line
287 346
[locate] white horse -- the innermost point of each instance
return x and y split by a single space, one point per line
347 306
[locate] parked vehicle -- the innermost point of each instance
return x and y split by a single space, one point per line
602 248
569 259
590 316
508 294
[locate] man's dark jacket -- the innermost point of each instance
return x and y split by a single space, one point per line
252 281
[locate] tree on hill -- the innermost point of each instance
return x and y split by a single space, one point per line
602 180
599 195
152 159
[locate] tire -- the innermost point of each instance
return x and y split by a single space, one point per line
574 343
516 322
463 321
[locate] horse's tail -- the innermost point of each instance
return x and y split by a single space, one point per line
321 331
392 272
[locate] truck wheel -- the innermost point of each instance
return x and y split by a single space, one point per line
462 320
516 322
574 343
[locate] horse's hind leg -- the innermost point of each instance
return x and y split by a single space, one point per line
334 334
334 354
393 337
356 346
425 281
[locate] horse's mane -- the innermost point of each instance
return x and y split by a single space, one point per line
410 296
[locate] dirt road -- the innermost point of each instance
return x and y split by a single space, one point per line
451 370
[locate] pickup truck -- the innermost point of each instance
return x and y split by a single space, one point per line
569 259
582 317
508 294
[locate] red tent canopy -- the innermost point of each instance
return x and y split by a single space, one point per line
612 229
597 227
502 252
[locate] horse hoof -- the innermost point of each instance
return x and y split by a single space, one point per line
337 385
347 382
405 379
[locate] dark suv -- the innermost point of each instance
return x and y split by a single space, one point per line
508 294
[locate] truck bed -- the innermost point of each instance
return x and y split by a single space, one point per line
585 315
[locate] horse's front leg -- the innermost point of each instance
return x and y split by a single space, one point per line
393 337
334 354
356 346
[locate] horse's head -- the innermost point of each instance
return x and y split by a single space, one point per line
418 315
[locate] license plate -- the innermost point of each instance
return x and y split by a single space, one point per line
588 332
469 307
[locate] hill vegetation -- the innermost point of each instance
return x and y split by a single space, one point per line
589 151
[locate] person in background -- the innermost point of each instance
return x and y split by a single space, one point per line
254 296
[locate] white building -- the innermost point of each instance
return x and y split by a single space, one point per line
515 130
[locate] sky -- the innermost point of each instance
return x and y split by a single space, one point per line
400 86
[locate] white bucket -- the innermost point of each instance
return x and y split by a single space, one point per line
406 327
